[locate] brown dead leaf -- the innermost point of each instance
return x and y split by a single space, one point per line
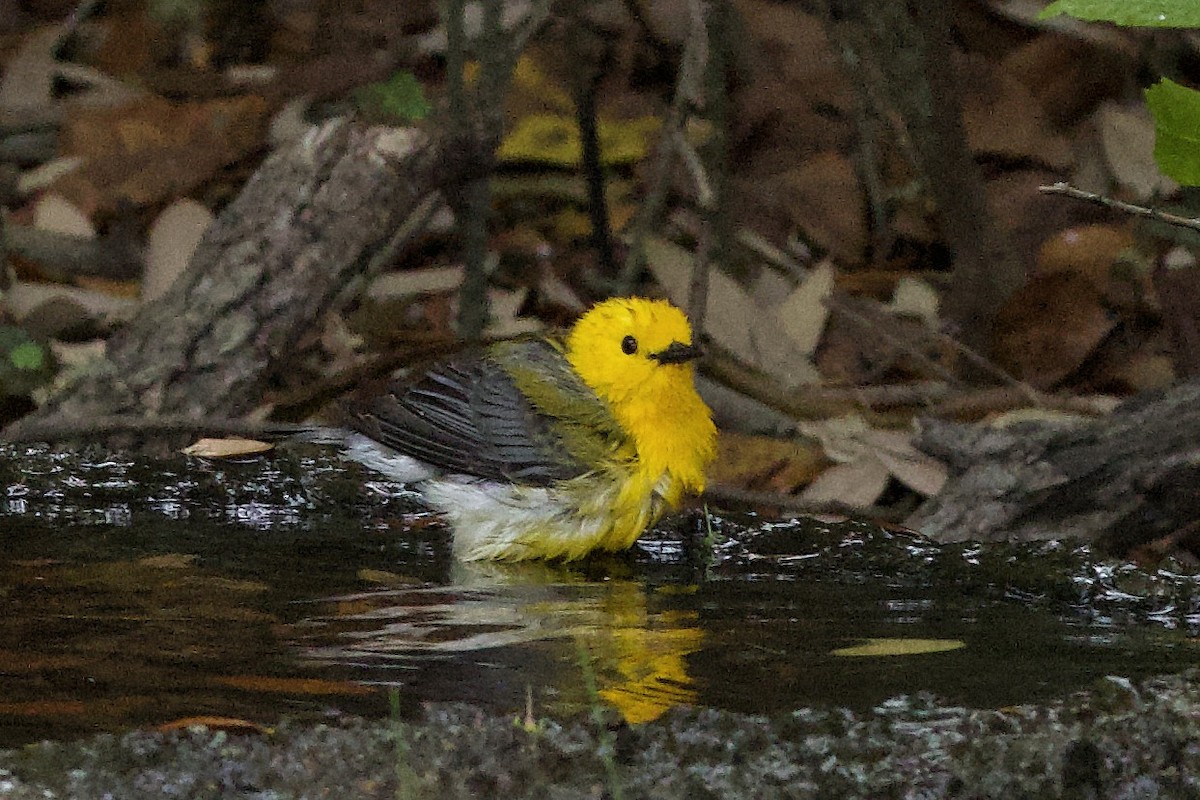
126 41
1049 327
44 708
1175 281
794 45
227 724
106 709
111 286
867 342
778 122
879 284
226 448
146 151
1087 249
760 462
1145 371
1068 76
825 202
1002 117
385 578
1026 216
1107 256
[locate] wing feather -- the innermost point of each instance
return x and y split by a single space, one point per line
514 412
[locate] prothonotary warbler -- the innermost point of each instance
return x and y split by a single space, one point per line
555 446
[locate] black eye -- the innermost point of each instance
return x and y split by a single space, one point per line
629 345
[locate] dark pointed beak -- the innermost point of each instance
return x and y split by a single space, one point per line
677 353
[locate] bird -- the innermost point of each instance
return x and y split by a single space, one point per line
551 446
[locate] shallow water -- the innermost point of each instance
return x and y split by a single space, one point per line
138 592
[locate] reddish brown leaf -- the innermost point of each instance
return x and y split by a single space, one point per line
1068 76
226 724
1049 327
1087 249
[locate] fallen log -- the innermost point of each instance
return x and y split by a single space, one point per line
314 221
1124 482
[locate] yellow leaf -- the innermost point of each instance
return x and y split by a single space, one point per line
529 77
554 139
226 448
873 648
385 578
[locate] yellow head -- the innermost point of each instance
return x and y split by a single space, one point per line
637 355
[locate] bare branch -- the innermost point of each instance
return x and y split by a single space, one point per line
1063 188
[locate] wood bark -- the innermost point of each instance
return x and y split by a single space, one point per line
309 224
1121 482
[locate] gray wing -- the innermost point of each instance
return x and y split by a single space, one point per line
532 423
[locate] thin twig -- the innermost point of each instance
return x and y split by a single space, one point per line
1066 189
725 368
706 198
976 404
1032 395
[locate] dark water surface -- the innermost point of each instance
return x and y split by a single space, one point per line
138 592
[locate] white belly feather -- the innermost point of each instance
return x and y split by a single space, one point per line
508 522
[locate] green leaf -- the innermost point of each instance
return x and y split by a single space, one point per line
1139 13
28 356
1176 111
399 97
